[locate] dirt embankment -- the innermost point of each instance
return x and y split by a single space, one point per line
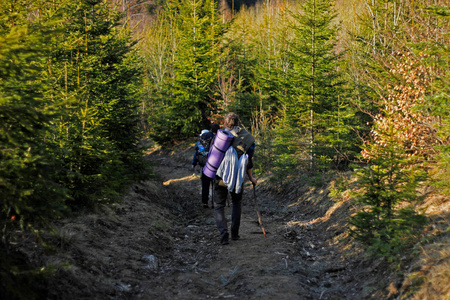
159 243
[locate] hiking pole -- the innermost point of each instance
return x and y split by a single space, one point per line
257 211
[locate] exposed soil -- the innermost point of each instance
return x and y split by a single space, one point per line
159 243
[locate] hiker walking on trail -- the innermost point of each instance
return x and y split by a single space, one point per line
200 156
200 151
202 147
237 162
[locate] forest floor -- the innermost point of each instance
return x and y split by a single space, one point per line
159 243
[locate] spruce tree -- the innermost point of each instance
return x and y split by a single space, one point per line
237 68
401 141
317 94
69 99
98 129
30 191
189 95
31 196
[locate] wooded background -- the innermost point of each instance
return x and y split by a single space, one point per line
325 86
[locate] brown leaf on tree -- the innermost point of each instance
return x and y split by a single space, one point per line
400 121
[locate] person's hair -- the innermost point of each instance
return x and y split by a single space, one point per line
230 120
215 127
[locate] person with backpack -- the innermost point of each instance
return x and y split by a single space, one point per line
202 147
237 162
214 128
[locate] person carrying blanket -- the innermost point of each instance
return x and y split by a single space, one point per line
230 177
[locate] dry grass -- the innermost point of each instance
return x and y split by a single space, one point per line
434 276
427 271
430 272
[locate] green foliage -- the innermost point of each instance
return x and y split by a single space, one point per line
260 65
392 177
388 237
262 129
97 73
286 148
30 192
413 125
340 187
186 103
317 106
158 47
239 84
69 114
19 280
438 100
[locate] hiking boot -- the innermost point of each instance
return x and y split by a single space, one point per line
235 237
224 240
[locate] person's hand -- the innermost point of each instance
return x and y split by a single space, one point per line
193 167
254 180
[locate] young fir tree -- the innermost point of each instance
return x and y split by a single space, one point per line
68 109
314 107
29 191
266 49
388 27
243 95
158 46
286 143
401 141
405 135
31 196
190 93
91 67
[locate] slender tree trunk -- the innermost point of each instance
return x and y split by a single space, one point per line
311 112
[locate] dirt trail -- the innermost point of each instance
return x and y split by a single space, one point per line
254 267
159 243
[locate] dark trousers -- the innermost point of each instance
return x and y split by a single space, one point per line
220 200
206 182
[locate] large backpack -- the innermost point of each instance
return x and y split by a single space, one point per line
232 172
203 149
242 141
